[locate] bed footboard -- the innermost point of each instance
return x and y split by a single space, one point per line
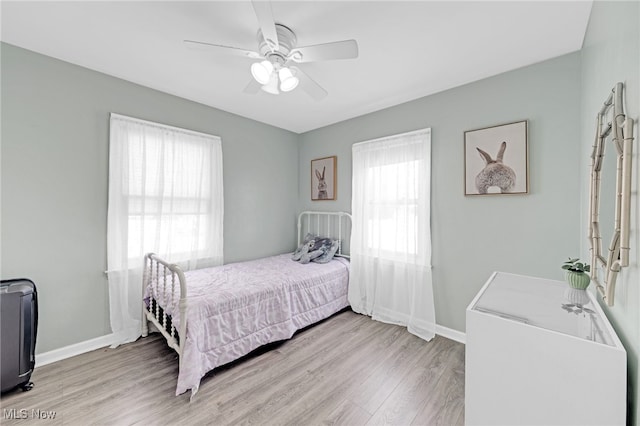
167 282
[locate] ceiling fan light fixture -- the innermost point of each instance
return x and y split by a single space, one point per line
288 81
272 85
262 71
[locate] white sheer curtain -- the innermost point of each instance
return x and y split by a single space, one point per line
390 277
166 197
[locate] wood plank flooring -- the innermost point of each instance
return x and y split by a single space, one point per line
346 370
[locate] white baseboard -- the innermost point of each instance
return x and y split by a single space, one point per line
75 349
108 340
452 334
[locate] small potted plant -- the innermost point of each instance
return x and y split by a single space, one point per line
577 273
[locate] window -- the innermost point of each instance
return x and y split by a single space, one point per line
169 195
390 196
390 275
392 221
165 196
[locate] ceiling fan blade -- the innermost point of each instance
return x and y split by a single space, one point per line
253 87
346 49
218 48
307 84
267 24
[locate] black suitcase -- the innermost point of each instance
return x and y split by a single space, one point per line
18 328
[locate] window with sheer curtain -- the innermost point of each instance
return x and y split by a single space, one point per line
165 196
390 277
392 201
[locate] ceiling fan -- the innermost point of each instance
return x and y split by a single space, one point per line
278 53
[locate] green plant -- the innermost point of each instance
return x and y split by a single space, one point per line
576 266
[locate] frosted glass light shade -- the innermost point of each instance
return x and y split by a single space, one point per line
288 81
272 85
262 71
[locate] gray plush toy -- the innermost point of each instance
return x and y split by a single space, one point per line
316 249
320 246
305 247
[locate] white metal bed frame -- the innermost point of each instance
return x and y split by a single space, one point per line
327 224
162 273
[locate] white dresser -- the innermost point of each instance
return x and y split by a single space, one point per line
541 353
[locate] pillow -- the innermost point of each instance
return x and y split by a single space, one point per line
329 253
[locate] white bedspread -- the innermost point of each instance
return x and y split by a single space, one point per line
235 308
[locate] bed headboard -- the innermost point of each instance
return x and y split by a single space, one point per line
327 224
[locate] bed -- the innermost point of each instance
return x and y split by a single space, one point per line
216 315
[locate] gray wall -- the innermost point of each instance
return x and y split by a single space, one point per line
473 236
55 119
611 53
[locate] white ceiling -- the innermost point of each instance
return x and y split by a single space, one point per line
407 49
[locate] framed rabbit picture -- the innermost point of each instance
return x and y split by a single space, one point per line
496 160
323 178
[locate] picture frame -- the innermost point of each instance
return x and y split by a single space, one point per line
323 178
496 160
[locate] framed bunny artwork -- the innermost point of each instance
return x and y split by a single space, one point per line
323 178
496 160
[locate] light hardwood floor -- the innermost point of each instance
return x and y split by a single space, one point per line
346 370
